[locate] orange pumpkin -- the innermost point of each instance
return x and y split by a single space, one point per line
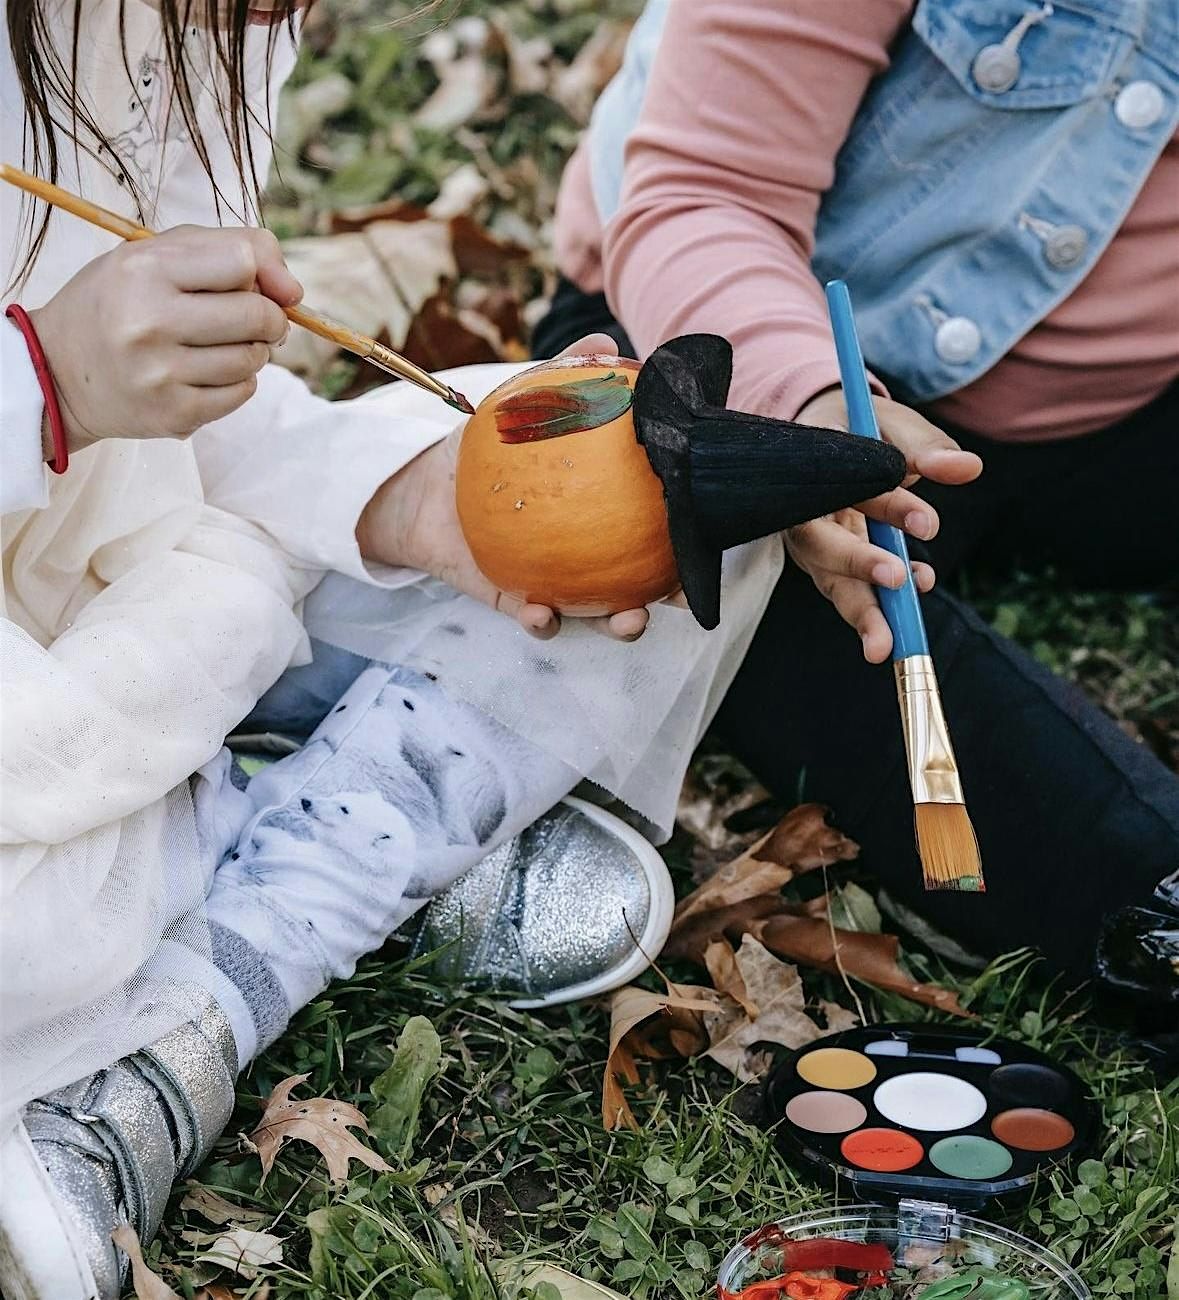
556 497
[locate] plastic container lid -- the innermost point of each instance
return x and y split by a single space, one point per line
929 1242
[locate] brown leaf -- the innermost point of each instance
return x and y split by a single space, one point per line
377 280
440 337
318 1120
781 1017
869 957
690 941
351 219
726 975
801 841
477 251
148 1286
216 1209
629 1009
806 840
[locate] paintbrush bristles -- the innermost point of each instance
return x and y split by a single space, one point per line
948 848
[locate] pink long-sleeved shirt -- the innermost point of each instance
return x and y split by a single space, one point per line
717 222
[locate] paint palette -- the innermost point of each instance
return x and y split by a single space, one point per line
941 1114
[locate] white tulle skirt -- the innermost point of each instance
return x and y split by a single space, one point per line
626 716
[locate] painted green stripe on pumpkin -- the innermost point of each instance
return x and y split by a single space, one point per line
553 412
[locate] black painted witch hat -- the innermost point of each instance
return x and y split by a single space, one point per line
729 477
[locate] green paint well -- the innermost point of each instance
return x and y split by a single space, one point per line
967 1156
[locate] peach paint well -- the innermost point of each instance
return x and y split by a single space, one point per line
826 1112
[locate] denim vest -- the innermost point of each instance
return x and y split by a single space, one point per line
985 172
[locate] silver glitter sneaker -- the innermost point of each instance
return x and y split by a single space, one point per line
106 1151
576 905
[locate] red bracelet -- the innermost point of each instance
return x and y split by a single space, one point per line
61 451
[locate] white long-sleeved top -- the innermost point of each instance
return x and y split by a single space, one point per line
150 594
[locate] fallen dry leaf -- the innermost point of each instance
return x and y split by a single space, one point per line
801 841
726 975
216 1209
376 280
528 60
465 88
781 1017
577 87
630 1008
243 1251
318 1120
147 1285
460 193
717 789
435 1195
869 957
743 898
691 940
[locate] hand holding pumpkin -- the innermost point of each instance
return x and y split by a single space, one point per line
412 521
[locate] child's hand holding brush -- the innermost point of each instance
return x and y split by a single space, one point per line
158 337
835 551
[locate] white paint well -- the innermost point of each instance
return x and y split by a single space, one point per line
930 1103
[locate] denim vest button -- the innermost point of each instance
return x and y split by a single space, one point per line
957 340
1139 105
1065 246
996 68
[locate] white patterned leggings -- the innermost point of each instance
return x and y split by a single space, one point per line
397 791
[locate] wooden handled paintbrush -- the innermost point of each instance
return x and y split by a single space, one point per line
360 345
945 837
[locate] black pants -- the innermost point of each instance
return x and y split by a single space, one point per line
1074 819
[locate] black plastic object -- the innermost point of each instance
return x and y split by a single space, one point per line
1137 971
729 477
1023 1077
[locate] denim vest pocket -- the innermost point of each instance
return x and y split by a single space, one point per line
1041 55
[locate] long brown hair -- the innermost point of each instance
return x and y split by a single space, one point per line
55 110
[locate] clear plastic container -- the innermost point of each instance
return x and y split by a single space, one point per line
918 1233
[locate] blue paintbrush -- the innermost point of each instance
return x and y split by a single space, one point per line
945 837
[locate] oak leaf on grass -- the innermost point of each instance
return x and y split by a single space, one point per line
322 1122
775 990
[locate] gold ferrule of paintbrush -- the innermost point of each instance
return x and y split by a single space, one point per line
933 769
388 360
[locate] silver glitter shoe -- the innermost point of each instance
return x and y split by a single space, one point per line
576 905
106 1151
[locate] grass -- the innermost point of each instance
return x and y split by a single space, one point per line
511 1160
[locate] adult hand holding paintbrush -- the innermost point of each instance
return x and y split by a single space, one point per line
168 332
945 837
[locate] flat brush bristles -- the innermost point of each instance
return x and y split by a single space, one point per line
945 837
948 848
